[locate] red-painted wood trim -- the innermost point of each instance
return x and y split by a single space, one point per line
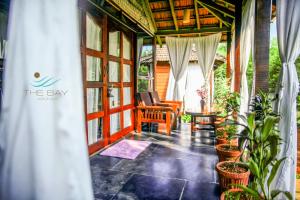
96 115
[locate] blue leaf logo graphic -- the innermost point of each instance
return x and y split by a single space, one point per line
43 82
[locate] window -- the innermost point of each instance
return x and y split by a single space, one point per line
145 70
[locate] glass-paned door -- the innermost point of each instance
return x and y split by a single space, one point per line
107 66
120 81
93 58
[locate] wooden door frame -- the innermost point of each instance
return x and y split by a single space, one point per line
103 20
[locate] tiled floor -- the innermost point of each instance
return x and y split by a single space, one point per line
179 166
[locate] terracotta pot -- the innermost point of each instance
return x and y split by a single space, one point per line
231 190
227 178
223 140
227 155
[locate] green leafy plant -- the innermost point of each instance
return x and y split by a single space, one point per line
186 118
236 195
261 140
232 103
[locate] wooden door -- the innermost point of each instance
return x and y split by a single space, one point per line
108 68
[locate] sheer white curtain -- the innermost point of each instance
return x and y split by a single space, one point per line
288 29
139 48
194 81
43 148
206 49
171 85
247 34
179 52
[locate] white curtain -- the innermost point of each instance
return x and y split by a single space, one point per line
43 148
179 52
206 49
247 39
171 85
194 81
139 48
288 29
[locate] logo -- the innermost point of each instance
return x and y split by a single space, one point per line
45 88
43 82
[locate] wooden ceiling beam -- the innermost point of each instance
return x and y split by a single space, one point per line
226 20
175 8
171 2
232 2
156 1
197 14
217 7
192 31
180 19
149 15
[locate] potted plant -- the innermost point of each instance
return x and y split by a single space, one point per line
261 139
222 135
235 194
229 150
232 105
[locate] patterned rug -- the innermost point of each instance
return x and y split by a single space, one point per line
128 149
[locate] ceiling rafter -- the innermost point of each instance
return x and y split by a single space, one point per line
171 2
226 20
158 10
147 7
221 9
193 31
197 14
232 2
181 19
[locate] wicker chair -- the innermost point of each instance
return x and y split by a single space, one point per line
147 112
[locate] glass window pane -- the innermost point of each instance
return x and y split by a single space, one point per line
114 72
143 85
94 131
94 100
126 95
126 73
93 34
114 100
127 118
114 43
126 48
93 69
115 124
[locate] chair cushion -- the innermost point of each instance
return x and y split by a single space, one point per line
146 99
155 98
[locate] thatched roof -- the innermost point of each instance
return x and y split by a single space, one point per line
163 56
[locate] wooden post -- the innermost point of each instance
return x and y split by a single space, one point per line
228 67
154 63
262 43
237 63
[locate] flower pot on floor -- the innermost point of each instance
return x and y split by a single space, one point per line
224 194
232 173
223 140
228 152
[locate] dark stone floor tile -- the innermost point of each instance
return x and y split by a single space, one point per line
190 169
101 196
103 162
201 191
177 151
151 188
107 182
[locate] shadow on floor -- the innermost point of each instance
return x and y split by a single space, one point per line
179 166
